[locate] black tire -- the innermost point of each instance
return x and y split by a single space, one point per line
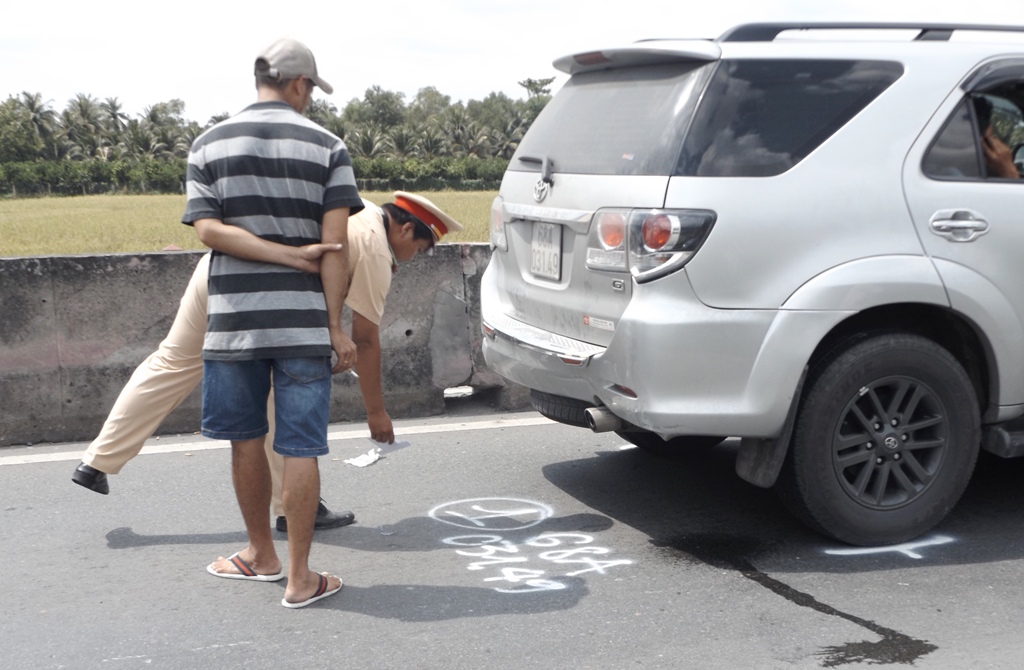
886 438
674 447
561 409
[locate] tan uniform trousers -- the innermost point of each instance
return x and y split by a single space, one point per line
159 385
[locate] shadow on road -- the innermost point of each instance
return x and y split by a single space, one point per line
418 533
696 509
697 505
419 603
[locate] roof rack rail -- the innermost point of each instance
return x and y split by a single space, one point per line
766 32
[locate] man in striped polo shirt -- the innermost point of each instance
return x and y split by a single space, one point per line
269 175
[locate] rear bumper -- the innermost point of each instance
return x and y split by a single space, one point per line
674 365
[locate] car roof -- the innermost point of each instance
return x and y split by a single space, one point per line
903 41
930 32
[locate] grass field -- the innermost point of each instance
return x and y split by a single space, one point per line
139 223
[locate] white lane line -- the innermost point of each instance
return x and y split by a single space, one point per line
172 445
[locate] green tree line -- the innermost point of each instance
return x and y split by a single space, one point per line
427 143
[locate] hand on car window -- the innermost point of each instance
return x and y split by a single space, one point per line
998 156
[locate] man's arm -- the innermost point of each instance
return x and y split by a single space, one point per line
334 277
240 243
367 338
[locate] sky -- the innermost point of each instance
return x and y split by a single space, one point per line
202 51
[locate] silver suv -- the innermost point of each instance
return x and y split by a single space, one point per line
810 237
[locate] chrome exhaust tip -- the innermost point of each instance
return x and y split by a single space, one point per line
600 420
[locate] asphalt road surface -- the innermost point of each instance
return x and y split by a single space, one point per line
496 541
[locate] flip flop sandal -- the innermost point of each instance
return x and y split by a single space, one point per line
245 571
321 592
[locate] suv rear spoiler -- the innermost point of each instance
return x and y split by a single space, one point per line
767 32
633 56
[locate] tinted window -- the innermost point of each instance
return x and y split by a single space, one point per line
761 117
955 153
626 121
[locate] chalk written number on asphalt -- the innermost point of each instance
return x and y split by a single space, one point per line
495 551
518 564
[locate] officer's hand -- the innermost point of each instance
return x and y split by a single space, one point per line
380 427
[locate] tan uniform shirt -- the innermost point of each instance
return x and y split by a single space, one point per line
370 261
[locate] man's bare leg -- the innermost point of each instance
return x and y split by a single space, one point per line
251 476
300 496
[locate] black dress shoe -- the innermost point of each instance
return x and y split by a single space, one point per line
91 478
325 519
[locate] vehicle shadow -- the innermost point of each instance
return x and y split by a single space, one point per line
696 506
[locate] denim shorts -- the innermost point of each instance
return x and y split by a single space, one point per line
235 402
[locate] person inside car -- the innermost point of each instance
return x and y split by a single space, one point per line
998 156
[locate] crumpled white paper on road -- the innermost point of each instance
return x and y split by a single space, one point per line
374 454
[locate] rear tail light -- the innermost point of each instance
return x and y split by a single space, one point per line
498 238
611 229
659 231
649 243
607 249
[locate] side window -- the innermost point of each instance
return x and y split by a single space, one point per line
983 138
759 118
955 153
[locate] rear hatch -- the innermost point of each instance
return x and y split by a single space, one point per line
599 156
665 142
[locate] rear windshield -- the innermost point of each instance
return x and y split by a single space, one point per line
626 121
760 118
757 117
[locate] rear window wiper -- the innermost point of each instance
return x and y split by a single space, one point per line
546 167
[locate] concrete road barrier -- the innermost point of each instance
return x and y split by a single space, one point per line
73 328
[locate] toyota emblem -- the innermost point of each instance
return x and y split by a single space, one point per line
540 191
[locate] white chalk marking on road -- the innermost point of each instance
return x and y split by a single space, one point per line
169 445
907 549
223 646
494 551
477 516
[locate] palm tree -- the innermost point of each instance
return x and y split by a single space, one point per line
114 119
58 146
43 118
73 136
188 136
321 112
367 142
464 136
505 140
478 141
162 131
431 141
86 110
336 125
141 142
83 127
403 141
165 113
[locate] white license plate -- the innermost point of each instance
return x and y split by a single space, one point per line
546 250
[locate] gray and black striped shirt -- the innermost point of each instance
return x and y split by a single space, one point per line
274 173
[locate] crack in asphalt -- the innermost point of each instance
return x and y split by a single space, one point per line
728 552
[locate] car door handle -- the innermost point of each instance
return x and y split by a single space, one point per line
958 225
